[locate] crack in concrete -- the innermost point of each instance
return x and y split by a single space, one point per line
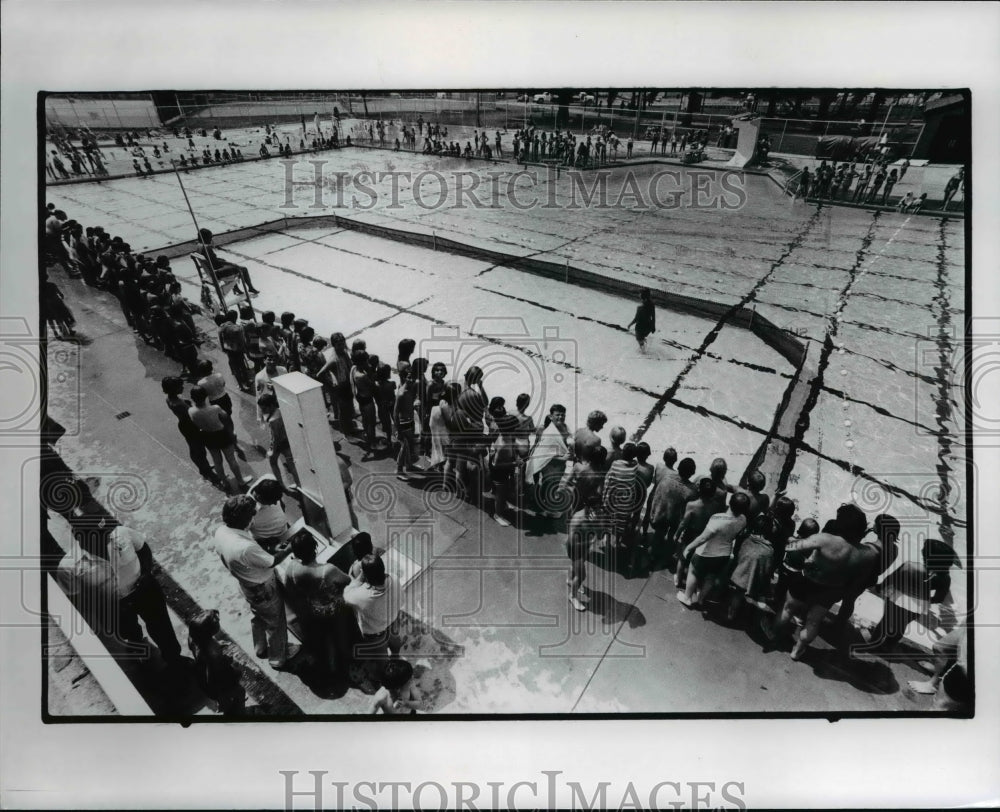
714 332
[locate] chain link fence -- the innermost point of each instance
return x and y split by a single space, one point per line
356 114
802 136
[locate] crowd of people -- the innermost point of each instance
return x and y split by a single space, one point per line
733 549
870 183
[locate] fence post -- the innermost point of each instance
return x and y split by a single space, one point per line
781 138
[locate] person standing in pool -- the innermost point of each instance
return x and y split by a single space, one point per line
644 320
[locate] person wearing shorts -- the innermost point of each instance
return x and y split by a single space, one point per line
587 526
709 553
834 562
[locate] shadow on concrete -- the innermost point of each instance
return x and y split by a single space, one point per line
870 676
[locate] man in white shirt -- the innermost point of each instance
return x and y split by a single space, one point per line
376 599
132 562
253 568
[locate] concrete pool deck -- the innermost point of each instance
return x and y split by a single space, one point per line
798 264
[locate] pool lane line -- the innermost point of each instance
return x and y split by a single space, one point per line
619 328
714 332
440 322
943 412
862 264
815 383
853 469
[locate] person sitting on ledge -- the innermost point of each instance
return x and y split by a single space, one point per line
223 270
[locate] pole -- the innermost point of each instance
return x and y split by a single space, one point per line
886 122
208 261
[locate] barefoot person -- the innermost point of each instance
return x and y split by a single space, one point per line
644 319
834 561
588 526
709 553
665 508
696 516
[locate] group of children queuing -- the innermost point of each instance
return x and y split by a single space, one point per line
871 183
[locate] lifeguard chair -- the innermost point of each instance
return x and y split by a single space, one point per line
209 291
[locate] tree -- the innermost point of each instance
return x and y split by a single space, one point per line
612 95
563 98
878 99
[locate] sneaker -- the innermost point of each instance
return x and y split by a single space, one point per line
582 595
577 604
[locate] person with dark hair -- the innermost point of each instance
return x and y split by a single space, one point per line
361 546
376 599
880 550
586 438
665 508
253 568
269 524
644 319
406 348
696 515
57 314
623 496
262 381
288 336
617 437
709 553
217 434
911 589
278 445
669 461
252 335
338 364
234 345
834 560
223 270
363 388
760 502
316 592
398 694
404 422
385 398
214 671
503 463
173 387
750 580
439 418
183 340
717 471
